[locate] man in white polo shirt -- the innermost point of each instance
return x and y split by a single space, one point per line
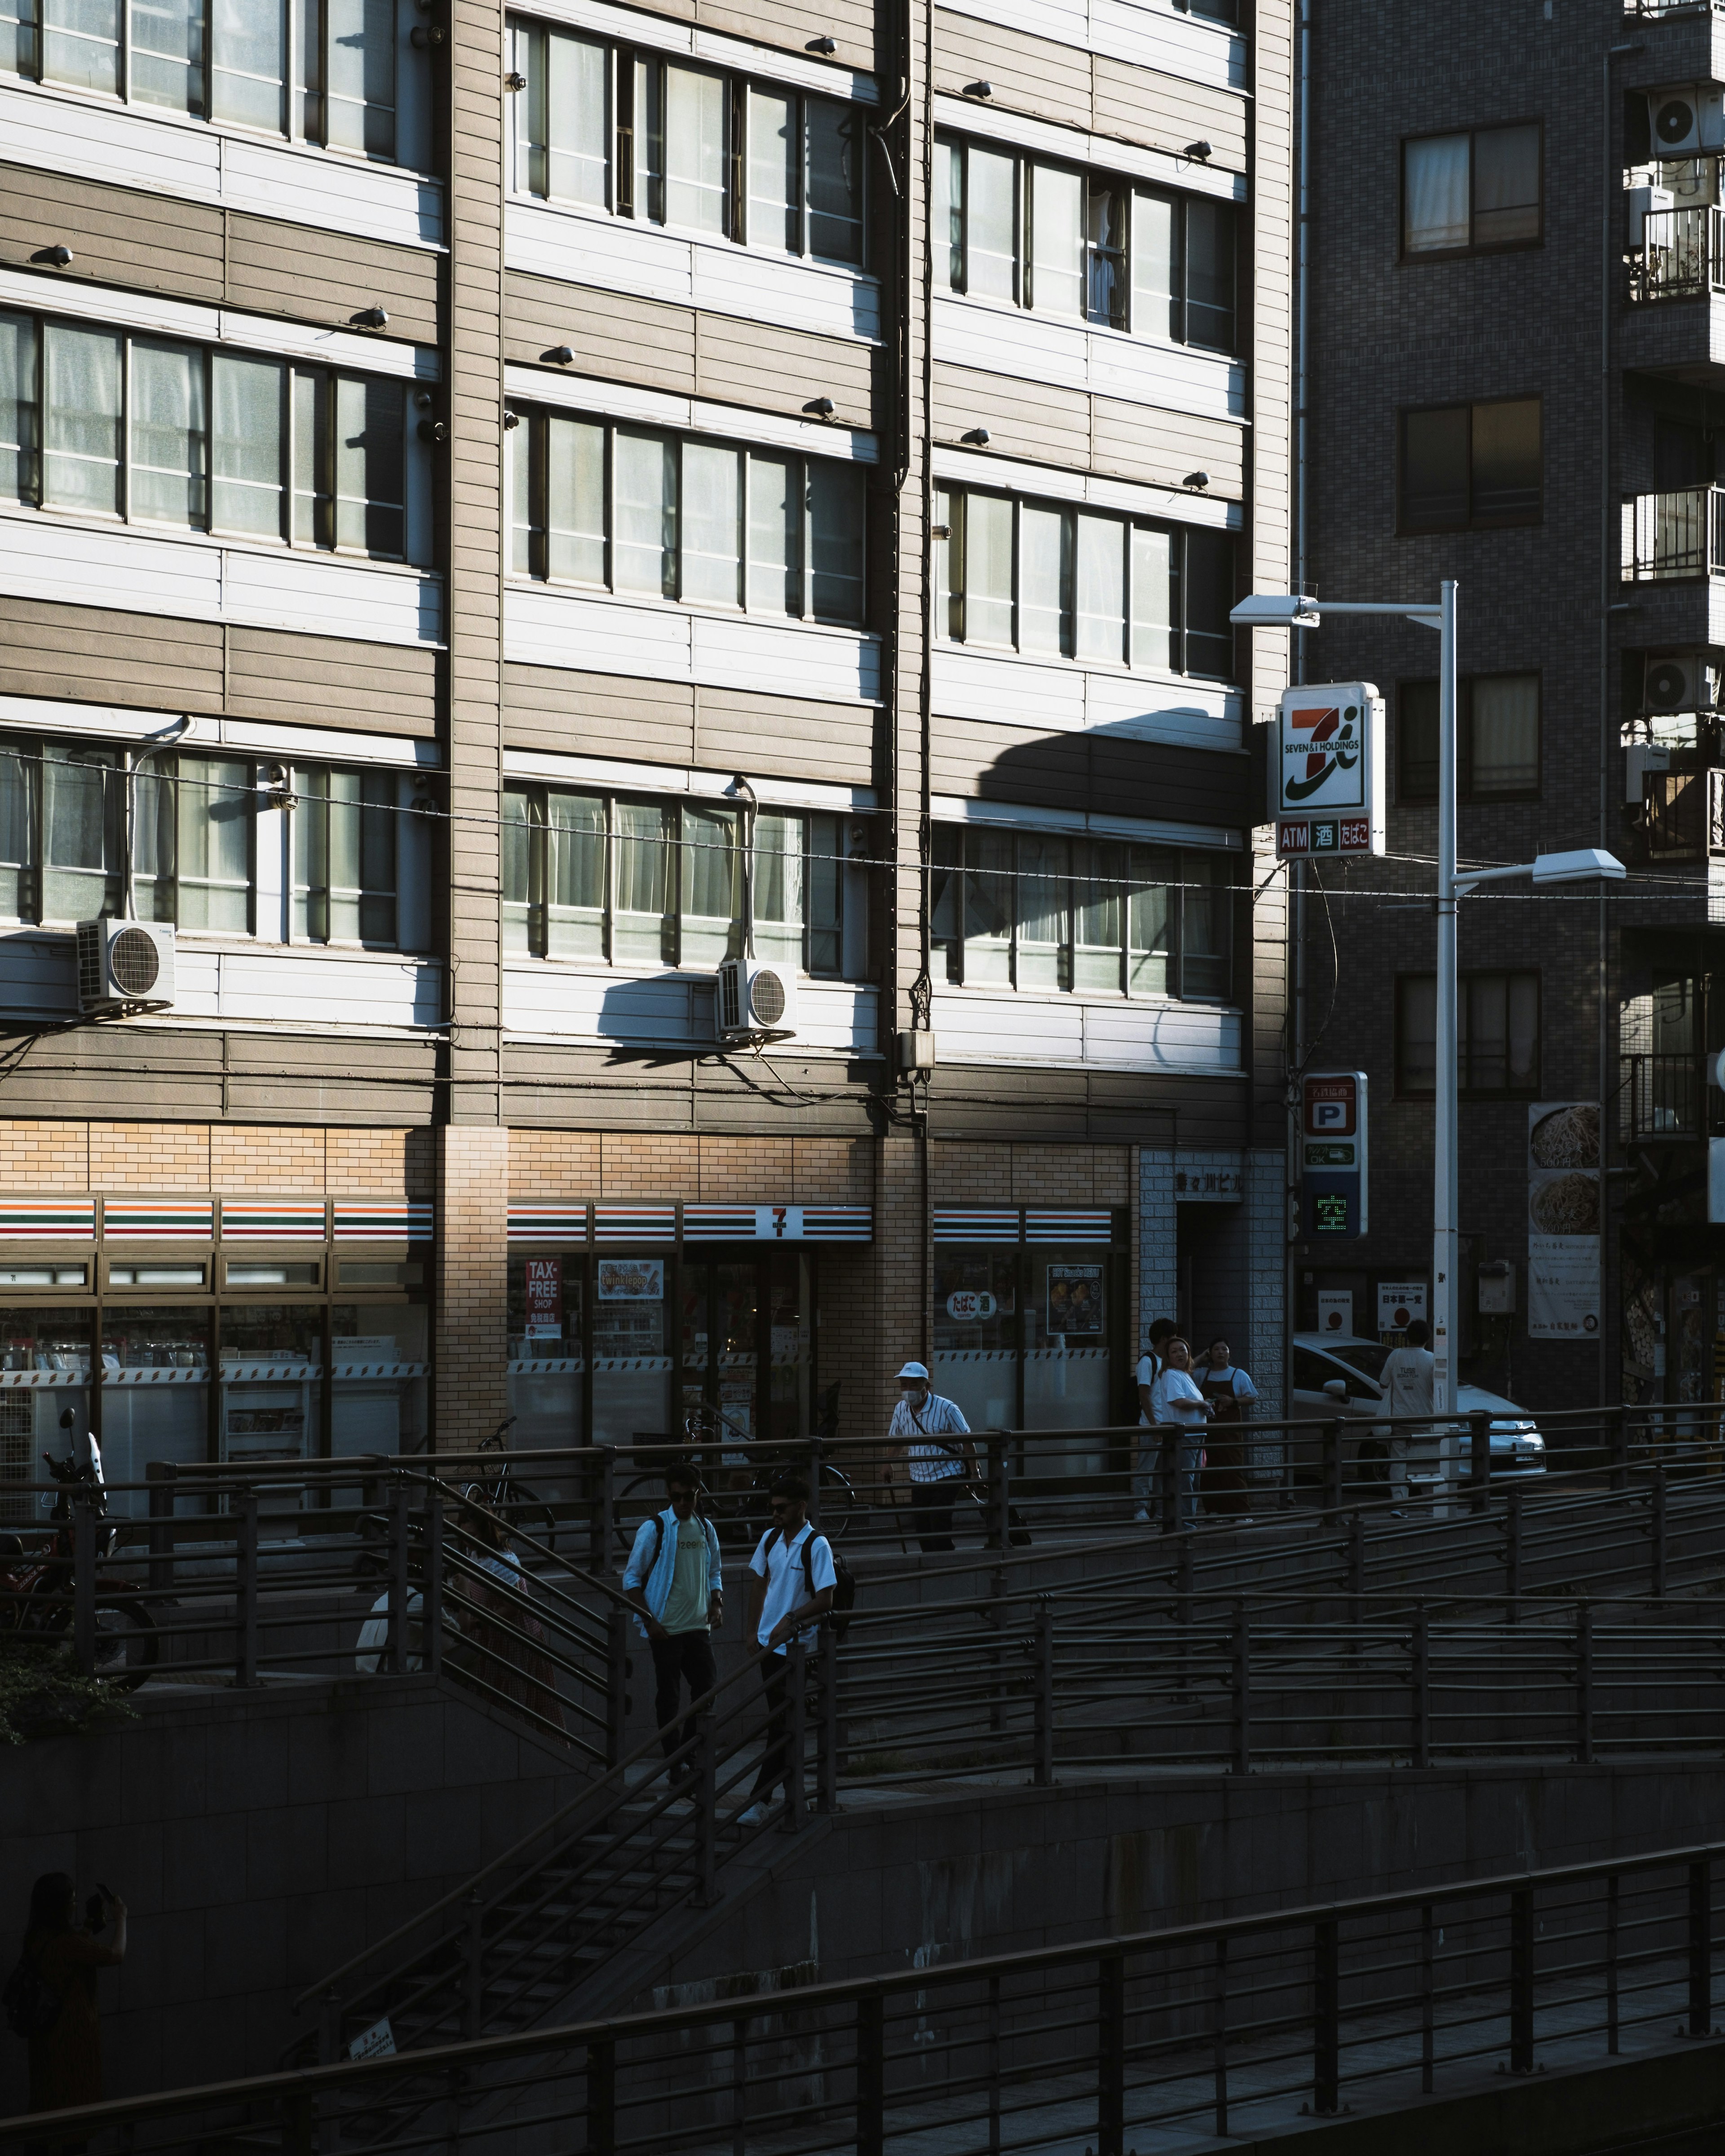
942 1460
791 1584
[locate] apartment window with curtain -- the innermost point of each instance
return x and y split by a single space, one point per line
345 847
606 126
632 510
1496 1034
645 884
1472 466
1060 240
324 71
1496 738
1054 581
1466 192
1037 911
146 431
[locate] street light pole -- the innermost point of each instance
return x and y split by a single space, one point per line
1446 1195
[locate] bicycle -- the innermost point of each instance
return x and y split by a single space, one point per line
36 1597
511 1501
743 1508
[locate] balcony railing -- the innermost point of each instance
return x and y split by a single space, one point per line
1674 535
1652 10
1684 814
1683 253
1668 1096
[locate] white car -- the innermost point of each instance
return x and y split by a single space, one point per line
1337 1375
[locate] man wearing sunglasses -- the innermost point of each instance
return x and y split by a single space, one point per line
791 1578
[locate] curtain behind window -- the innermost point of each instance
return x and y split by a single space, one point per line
81 465
1435 188
772 202
19 431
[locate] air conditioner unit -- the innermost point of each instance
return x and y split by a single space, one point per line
757 1001
1687 120
1638 759
1642 203
1682 681
125 962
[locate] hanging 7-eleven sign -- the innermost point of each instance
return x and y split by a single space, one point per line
1327 781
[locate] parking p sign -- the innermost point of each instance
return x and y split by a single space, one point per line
1332 1156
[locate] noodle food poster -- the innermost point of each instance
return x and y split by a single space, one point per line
1563 1220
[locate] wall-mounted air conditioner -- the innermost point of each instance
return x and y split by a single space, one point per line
123 963
1682 681
756 1000
1686 119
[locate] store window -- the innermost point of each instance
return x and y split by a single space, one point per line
271 1370
44 1374
631 1351
546 1358
155 1404
380 1367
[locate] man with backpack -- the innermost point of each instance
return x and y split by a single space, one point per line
792 1582
674 1580
926 1425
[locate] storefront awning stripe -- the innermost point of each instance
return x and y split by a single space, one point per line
976 1223
300 1220
1068 1224
57 1220
385 1221
548 1223
140 1220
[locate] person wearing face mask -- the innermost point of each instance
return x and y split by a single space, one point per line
1231 1393
940 1456
1177 1404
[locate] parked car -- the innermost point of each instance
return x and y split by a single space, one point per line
1339 1375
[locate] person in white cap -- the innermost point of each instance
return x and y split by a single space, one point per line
925 1425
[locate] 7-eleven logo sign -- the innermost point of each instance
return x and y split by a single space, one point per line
1322 760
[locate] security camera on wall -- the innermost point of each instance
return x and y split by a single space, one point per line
1686 121
1682 681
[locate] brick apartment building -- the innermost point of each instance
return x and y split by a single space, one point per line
501 514
1511 385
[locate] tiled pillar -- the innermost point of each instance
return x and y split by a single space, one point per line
1266 1276
1158 1279
470 1347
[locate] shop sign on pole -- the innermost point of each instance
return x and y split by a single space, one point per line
1332 1156
1327 781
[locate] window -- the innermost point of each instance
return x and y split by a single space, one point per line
1062 241
1471 465
101 423
1033 910
1496 1027
1056 581
1496 738
344 856
705 522
323 70
646 884
611 128
1471 191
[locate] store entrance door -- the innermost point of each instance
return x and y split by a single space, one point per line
747 1336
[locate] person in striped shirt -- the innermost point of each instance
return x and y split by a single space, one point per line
942 1460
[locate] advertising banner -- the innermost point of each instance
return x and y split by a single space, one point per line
545 1298
1564 1195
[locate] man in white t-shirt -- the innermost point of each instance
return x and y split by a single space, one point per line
1409 1382
791 1579
1176 1401
1149 1370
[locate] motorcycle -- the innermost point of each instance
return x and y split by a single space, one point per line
37 1598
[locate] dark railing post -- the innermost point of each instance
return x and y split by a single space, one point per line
871 2076
1428 2031
604 1511
1168 1478
473 2012
1356 1559
1242 1655
1617 1444
1660 1553
1521 1981
1701 1947
1111 2055
162 1475
618 1667
328 2028
706 1805
1584 1683
431 1591
84 1580
1326 2018
1421 1646
1479 1424
395 1654
826 1734
999 1489
1218 2037
1332 1470
1043 1773
1613 1900
602 2097
1512 1553
245 1588
1183 1602
796 1734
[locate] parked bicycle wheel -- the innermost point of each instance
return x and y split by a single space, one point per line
126 1646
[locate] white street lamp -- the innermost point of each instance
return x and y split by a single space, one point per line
1292 610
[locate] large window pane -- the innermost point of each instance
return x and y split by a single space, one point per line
631 1356
975 1357
1066 1353
520 824
1044 579
773 203
779 887
82 461
1416 1034
83 827
214 868
987 569
577 105
1097 893
647 179
1505 462
835 139
1435 469
948 228
1206 927
1043 898
1485 1032
370 473
643 550
1506 185
246 446
80 44
835 540
248 68
313 519
991 249
711 887
168 432
1149 923
1209 597
344 857
1209 275
575 498
775 560
825 903
946 889
694 149
1102 589
1504 734
1416 726
18 408
154 847
575 876
379 1364
1522 1026
712 488
165 66
47 1355
18 834
1434 194
155 1389
17 37
1155 632
640 931
1056 241
989 905
1157 273
1105 252
359 103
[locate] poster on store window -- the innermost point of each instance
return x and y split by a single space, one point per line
545 1298
631 1279
1563 1193
1075 1299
